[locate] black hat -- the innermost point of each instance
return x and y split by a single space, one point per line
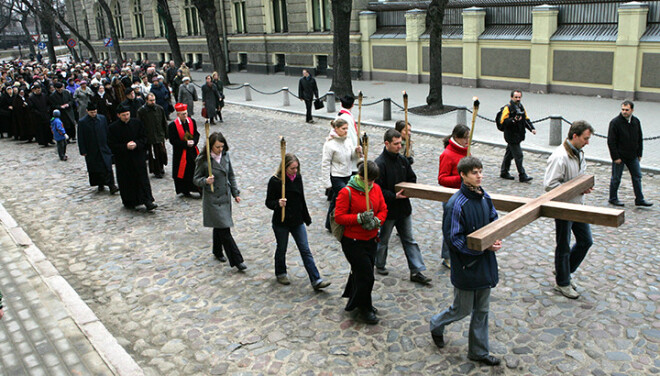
58 85
128 90
91 106
122 108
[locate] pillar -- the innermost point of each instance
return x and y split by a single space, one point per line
474 24
544 25
367 29
415 26
632 24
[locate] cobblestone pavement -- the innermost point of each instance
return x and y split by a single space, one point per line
37 336
153 282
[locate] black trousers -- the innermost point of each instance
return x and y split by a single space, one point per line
361 254
157 155
513 151
222 239
308 107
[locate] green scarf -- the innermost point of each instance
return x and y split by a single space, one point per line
357 183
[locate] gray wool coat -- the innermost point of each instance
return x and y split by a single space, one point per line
216 206
188 95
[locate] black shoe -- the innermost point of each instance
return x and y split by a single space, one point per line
221 258
158 176
151 206
488 360
616 202
374 309
420 278
130 207
241 267
382 271
643 203
438 340
321 285
368 317
100 188
507 176
525 178
114 189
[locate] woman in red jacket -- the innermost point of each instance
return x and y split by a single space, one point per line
455 149
361 238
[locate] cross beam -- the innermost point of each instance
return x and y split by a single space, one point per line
525 210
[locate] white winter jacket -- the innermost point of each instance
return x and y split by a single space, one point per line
564 165
338 157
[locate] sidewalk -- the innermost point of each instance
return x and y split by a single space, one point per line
598 111
47 329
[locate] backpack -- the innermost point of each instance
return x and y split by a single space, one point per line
337 229
498 118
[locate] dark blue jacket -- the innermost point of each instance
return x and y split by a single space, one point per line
465 212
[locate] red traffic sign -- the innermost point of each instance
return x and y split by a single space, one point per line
36 38
71 42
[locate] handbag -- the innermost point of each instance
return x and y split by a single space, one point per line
204 114
337 229
318 104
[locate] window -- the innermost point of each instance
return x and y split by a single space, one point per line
118 21
138 20
191 18
162 27
279 16
100 23
239 15
86 23
321 13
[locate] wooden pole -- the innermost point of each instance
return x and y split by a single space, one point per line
365 150
359 115
283 173
475 111
405 111
207 127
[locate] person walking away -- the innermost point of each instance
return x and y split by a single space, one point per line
515 121
626 144
216 203
473 273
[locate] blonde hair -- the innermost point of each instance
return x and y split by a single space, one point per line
289 158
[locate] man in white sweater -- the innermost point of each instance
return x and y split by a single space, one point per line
567 162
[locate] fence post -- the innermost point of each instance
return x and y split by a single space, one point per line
248 94
330 99
555 130
461 116
285 93
387 109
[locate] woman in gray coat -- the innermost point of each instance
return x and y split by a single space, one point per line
188 95
210 99
216 204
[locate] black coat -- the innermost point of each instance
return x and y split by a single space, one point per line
296 212
93 144
155 123
514 131
394 168
624 140
40 118
307 88
106 105
57 100
6 113
185 183
131 165
134 105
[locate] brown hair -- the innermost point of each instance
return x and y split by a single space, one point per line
213 138
460 131
289 158
338 122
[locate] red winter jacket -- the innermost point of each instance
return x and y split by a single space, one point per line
348 217
447 173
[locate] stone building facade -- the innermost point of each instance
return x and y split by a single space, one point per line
595 47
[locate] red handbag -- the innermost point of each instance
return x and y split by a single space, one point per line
204 114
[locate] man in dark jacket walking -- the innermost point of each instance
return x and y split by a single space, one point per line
307 90
515 120
61 99
93 145
473 272
154 120
624 139
395 168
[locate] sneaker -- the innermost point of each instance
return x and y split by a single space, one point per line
446 263
507 176
283 279
488 360
420 278
567 291
321 285
382 271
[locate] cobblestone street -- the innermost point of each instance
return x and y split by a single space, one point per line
152 280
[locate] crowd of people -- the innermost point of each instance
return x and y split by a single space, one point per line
121 115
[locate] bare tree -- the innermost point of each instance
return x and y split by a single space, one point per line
341 44
64 36
61 18
113 30
207 11
170 32
46 21
434 18
7 10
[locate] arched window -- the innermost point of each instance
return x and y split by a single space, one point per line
100 23
117 20
191 18
138 20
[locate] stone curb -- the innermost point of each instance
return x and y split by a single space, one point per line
105 344
434 134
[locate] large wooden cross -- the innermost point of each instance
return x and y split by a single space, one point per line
523 211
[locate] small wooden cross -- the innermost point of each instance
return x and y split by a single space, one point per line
523 211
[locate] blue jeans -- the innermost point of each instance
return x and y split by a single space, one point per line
467 302
567 258
337 184
299 234
410 246
635 174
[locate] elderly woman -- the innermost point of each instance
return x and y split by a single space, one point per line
83 96
210 99
216 203
188 95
